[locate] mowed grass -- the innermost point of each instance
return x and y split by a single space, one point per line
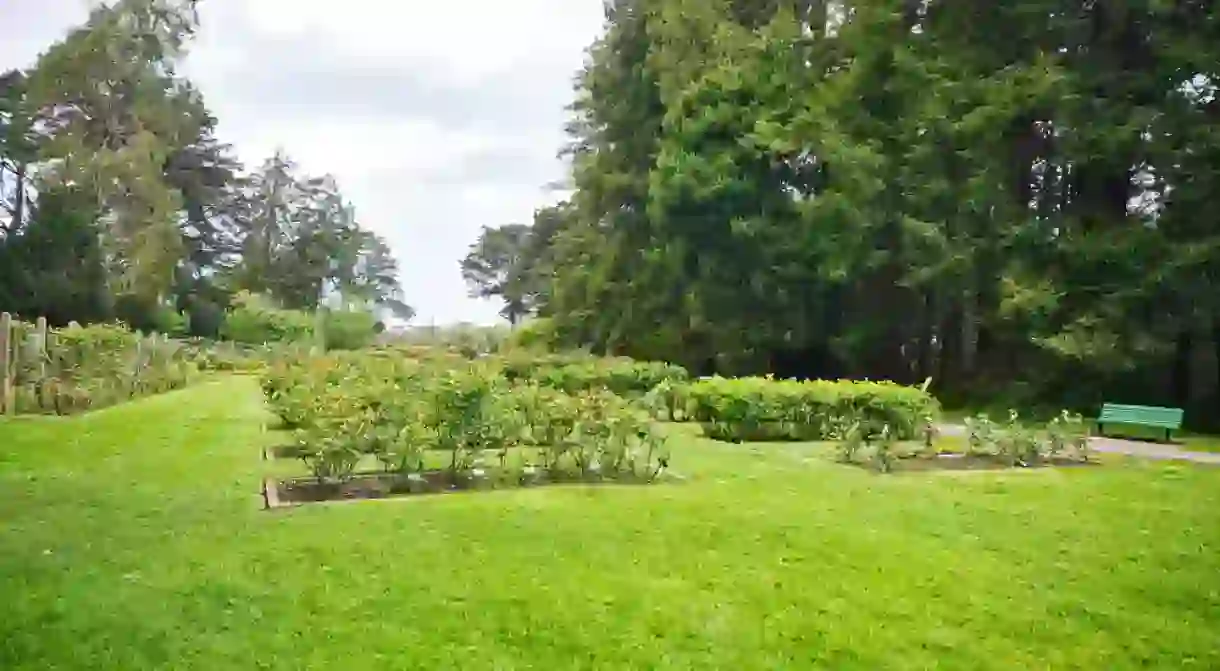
133 538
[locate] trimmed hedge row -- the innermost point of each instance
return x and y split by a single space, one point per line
576 373
752 409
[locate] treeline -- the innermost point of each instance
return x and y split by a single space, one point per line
118 201
1015 197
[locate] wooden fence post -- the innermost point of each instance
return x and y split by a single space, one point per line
319 331
7 365
40 332
46 368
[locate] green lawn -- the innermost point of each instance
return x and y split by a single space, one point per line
133 538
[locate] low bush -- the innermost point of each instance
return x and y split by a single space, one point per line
254 320
233 357
222 356
536 334
1020 444
750 409
349 329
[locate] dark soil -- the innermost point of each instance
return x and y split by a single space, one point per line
286 451
390 485
963 462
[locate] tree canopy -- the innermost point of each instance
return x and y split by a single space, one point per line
117 200
1008 196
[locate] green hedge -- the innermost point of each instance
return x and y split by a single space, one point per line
255 320
749 409
579 372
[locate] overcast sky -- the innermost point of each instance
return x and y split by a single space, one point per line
436 117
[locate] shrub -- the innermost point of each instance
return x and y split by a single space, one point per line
1068 433
667 401
1018 444
225 356
349 329
535 334
883 452
851 441
144 313
980 435
745 409
255 321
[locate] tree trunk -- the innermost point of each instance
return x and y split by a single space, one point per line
911 10
815 16
19 199
1181 379
1215 411
948 335
927 336
969 344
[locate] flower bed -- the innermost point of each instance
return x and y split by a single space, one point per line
417 418
363 486
988 446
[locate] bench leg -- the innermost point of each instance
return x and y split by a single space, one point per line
1167 432
1101 430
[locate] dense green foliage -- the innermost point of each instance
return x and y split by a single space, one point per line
751 409
344 407
470 339
228 356
580 372
137 531
254 321
349 329
89 367
117 200
886 189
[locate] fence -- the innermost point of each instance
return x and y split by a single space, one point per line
11 346
64 371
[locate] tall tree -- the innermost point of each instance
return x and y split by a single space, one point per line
118 199
112 104
496 267
881 188
18 151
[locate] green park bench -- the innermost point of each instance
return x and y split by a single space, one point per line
1168 419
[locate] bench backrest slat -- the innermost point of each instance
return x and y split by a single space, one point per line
1146 415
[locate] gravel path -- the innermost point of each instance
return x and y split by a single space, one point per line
1128 447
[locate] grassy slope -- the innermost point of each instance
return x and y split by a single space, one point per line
132 539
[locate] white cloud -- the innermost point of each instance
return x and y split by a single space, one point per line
436 117
467 38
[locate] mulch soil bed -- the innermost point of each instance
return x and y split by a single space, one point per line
977 462
365 486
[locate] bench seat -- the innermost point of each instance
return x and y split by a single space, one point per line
1169 419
